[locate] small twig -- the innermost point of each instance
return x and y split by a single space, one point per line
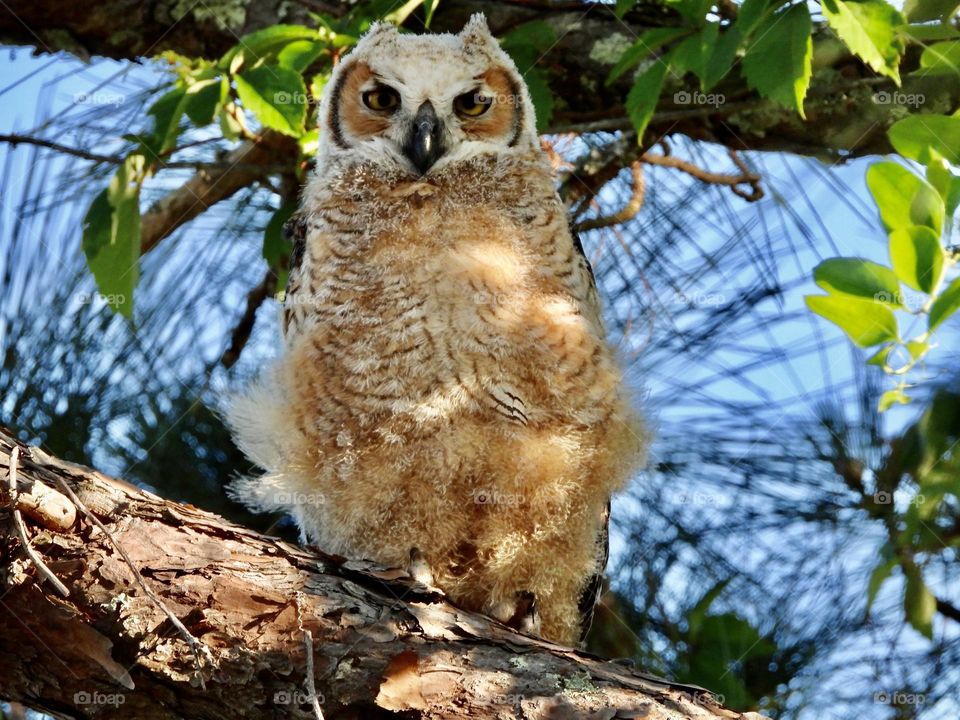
308 682
732 181
22 528
15 140
199 649
241 333
630 208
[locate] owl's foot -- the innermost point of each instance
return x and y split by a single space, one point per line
520 613
419 569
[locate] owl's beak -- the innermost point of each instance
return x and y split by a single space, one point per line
424 146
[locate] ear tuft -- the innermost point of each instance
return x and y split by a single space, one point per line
378 30
477 31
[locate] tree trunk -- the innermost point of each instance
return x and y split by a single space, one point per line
843 116
382 646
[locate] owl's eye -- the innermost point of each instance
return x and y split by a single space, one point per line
472 104
381 99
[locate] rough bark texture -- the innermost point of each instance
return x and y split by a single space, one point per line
842 114
382 645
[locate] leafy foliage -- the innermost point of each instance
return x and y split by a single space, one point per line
917 215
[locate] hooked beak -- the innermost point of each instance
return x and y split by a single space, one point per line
424 146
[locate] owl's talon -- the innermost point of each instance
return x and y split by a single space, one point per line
419 569
528 613
520 612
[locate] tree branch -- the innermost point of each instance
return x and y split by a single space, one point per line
380 643
249 162
843 115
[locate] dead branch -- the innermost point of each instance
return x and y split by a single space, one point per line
241 332
746 177
379 642
629 209
249 162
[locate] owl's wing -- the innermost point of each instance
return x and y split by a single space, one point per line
295 231
591 593
592 297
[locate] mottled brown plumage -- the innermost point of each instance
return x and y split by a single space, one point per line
446 383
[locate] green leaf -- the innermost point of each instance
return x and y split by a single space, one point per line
541 96
919 11
927 33
696 53
229 125
721 60
919 603
897 395
111 236
622 6
778 63
276 247
166 113
643 96
861 278
941 59
525 44
940 175
693 11
276 96
880 573
879 358
309 142
866 322
917 257
429 7
203 99
917 349
752 12
903 198
648 43
538 35
264 45
869 29
946 304
915 136
300 53
699 611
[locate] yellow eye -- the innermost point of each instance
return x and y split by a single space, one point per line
472 104
381 99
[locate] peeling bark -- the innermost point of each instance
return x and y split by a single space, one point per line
383 646
843 116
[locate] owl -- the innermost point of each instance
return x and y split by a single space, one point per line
446 398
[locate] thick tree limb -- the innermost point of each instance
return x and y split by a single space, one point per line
382 645
843 114
243 166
